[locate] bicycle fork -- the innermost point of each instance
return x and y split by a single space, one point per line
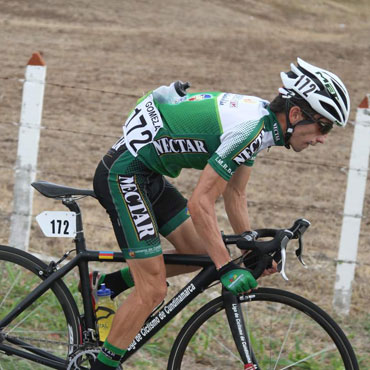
236 322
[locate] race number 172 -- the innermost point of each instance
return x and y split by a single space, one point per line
57 224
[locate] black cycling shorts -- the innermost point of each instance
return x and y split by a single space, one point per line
141 203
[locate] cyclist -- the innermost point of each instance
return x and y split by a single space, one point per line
220 134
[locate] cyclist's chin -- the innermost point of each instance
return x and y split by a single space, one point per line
299 147
295 148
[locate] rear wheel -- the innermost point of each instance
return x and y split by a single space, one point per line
50 325
285 331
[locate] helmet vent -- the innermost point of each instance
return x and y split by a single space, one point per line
331 110
341 93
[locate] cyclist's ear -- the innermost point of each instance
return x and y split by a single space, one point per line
295 114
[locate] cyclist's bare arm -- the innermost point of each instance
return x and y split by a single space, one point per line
236 205
235 200
202 210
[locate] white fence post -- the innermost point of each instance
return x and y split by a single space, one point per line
356 186
28 144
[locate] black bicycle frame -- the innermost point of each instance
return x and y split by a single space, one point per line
153 324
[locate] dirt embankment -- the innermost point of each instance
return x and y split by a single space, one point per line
101 55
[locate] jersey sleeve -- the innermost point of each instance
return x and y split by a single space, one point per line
238 147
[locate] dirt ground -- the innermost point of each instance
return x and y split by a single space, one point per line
101 56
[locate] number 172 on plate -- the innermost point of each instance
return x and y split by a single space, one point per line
57 224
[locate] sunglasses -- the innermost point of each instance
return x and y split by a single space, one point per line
324 127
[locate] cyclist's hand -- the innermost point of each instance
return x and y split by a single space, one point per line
270 270
236 279
252 235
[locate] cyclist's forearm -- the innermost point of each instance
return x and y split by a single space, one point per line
205 222
235 200
237 211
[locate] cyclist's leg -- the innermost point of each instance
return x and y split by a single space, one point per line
121 188
186 241
174 222
150 290
112 196
173 219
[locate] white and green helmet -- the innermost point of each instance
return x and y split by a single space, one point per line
323 90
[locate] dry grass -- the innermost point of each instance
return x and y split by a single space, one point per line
239 46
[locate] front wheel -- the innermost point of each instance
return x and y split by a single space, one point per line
48 328
285 331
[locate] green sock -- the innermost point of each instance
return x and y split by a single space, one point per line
118 281
110 355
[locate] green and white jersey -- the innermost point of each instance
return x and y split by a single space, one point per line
223 129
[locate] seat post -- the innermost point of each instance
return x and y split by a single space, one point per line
83 268
72 205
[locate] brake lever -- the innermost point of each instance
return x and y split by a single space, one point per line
282 263
299 251
302 226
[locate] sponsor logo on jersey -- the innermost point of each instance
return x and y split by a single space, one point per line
224 165
137 208
276 131
166 145
200 97
225 98
250 149
233 100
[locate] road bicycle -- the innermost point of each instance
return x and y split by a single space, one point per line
41 325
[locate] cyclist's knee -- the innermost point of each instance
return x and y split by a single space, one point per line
152 293
150 280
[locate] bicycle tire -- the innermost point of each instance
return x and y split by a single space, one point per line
285 330
51 323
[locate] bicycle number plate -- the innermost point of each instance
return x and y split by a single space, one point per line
57 224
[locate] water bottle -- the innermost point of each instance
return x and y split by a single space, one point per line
172 94
105 310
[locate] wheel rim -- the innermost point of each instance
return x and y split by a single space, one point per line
43 325
281 337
